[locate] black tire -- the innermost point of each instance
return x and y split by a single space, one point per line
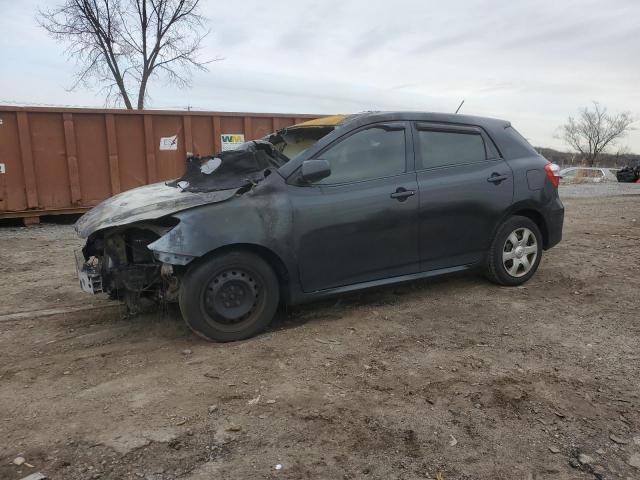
496 269
229 297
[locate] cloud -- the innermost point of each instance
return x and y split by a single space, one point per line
534 62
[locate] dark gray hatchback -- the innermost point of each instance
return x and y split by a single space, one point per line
326 207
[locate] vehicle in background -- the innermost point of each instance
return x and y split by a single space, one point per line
323 208
630 173
588 175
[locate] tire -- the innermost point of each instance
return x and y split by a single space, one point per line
512 259
229 297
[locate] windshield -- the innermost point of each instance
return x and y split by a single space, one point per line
293 142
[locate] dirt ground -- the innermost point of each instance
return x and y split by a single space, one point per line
452 378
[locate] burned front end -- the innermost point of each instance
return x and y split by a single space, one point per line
117 258
118 262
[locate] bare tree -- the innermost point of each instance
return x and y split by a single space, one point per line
121 45
593 131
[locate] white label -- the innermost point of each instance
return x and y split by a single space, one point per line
231 141
169 143
2 168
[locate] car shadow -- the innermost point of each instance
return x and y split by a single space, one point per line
166 321
335 308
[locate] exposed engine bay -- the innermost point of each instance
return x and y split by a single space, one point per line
117 262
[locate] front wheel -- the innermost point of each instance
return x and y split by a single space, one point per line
228 297
515 252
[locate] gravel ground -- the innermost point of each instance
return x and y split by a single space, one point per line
599 189
452 379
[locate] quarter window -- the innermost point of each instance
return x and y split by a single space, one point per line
372 153
438 149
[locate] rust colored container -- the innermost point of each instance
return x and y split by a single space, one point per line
66 160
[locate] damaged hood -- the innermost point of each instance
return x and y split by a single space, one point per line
145 203
210 179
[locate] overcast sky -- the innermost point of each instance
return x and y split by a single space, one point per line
533 62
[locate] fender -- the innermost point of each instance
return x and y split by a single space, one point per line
262 216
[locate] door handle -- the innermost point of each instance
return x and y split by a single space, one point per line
496 178
401 194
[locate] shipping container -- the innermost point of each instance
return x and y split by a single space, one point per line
66 160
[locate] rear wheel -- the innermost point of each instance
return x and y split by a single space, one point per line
515 252
230 296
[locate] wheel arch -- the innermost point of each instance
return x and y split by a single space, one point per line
537 218
268 255
532 214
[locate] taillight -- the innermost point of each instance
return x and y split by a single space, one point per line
553 172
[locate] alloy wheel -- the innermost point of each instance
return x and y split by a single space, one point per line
520 252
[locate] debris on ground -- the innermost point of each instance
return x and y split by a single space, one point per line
36 476
634 460
19 461
619 440
585 459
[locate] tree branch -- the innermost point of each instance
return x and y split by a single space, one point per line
594 131
119 45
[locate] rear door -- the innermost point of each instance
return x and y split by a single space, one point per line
360 223
465 188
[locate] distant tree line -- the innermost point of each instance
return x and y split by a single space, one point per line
569 159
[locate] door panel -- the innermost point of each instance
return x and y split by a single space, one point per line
355 233
360 223
464 191
459 209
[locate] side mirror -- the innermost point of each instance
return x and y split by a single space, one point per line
314 170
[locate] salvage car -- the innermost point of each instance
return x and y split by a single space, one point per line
588 175
322 208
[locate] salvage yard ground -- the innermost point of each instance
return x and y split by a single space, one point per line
453 378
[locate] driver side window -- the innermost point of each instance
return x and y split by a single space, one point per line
372 153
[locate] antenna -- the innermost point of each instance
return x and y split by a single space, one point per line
459 106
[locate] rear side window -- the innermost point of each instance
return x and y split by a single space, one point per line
438 149
515 145
372 153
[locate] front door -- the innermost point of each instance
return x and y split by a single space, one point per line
465 188
359 224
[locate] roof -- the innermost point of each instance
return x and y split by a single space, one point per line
330 121
377 116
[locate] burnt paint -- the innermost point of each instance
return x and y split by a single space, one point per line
144 203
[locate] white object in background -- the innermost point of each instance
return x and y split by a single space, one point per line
231 141
169 143
2 168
